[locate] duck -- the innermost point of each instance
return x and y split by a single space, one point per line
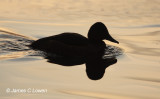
71 44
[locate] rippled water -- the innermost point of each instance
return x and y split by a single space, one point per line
134 23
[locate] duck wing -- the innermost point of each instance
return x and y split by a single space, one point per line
74 39
64 41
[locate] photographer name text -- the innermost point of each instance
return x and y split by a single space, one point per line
26 90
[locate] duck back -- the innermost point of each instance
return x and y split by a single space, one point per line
64 43
66 38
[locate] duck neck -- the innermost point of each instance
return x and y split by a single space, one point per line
97 42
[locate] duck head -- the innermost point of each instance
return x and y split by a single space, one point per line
99 32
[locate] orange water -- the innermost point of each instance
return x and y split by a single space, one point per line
134 23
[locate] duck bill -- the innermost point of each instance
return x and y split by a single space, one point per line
110 38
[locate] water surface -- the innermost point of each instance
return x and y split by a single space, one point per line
134 23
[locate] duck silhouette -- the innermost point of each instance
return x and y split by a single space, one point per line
71 49
74 44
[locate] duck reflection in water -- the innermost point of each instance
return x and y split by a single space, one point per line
70 49
95 65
